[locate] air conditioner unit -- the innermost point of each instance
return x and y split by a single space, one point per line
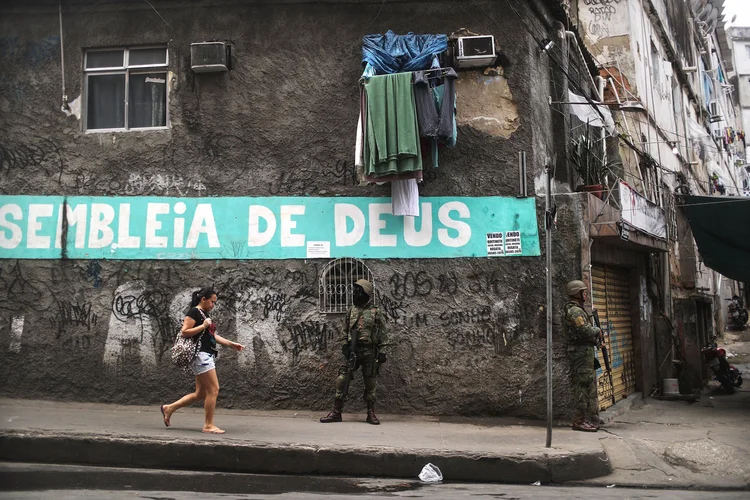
475 51
209 57
714 113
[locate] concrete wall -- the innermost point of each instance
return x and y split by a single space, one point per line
468 333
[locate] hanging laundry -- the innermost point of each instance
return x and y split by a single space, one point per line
405 197
358 158
435 120
391 143
439 92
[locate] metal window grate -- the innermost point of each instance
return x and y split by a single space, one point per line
671 214
336 284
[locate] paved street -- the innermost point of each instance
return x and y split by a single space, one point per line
433 492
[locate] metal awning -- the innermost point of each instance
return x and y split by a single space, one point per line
721 228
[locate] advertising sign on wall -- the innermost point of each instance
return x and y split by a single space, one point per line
78 227
642 214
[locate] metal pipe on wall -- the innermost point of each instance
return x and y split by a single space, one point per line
65 106
548 247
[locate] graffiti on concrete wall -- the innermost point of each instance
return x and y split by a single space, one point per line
35 156
73 323
603 18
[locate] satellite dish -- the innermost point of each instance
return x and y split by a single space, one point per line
703 16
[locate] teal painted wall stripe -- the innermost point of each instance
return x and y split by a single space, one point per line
133 228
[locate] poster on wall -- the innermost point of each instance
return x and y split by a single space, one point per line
148 228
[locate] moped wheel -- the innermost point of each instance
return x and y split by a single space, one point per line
727 384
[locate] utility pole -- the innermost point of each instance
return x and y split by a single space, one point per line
548 233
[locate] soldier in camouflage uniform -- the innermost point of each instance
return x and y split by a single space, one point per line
581 337
368 322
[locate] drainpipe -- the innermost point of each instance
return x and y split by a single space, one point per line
600 93
566 107
65 107
572 36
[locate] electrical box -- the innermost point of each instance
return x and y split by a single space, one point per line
475 51
209 57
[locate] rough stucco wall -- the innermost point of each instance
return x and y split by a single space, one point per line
469 334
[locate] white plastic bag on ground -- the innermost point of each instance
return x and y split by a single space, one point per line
431 474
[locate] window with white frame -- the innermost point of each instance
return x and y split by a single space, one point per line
126 88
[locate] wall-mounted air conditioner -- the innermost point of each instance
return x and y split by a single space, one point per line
714 112
209 57
475 51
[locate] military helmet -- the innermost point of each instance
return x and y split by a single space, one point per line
575 287
366 286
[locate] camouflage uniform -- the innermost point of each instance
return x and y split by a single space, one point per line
369 324
581 336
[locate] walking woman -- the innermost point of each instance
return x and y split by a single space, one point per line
198 322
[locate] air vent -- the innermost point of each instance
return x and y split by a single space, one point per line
209 57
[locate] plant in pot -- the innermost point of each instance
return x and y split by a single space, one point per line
588 165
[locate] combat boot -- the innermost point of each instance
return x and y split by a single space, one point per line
335 414
583 426
371 418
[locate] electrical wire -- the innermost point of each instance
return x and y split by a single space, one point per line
157 13
364 30
572 81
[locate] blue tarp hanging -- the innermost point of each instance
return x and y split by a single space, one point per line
392 53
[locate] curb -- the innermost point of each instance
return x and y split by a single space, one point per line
261 458
632 402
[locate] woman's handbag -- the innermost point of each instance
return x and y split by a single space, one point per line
185 349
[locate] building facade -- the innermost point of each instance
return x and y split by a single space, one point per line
739 38
134 174
664 71
131 178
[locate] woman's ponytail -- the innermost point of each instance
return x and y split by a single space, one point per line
203 293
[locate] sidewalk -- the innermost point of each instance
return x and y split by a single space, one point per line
285 442
676 444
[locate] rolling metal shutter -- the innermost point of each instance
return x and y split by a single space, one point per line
611 297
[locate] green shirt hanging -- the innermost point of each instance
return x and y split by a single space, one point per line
392 143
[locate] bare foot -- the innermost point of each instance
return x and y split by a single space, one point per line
213 430
165 415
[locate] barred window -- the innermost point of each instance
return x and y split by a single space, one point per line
337 282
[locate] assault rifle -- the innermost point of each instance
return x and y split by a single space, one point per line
605 353
351 363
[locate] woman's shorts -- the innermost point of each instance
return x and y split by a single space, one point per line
203 363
